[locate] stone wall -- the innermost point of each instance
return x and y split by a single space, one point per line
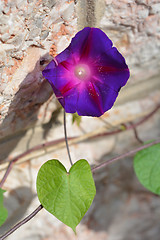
31 33
31 30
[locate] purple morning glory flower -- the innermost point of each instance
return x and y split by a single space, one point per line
87 76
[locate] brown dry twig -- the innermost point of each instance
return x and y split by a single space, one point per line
130 153
73 140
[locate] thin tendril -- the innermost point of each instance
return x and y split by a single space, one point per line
66 139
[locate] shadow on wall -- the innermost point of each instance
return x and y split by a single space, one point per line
17 204
123 209
32 92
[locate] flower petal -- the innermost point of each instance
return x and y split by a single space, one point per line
87 76
90 42
63 56
70 101
112 70
107 96
88 103
49 70
60 76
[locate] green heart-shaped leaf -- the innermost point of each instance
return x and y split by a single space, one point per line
3 210
67 196
147 168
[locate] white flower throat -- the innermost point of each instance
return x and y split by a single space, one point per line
82 71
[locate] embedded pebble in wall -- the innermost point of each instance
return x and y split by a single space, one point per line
155 9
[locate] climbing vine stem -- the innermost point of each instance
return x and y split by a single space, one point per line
66 139
130 153
18 225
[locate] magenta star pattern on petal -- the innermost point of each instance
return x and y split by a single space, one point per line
88 75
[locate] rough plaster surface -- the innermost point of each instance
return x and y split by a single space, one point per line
135 28
31 33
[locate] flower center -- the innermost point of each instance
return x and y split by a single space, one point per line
82 71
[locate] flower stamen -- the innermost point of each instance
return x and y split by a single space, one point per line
82 71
